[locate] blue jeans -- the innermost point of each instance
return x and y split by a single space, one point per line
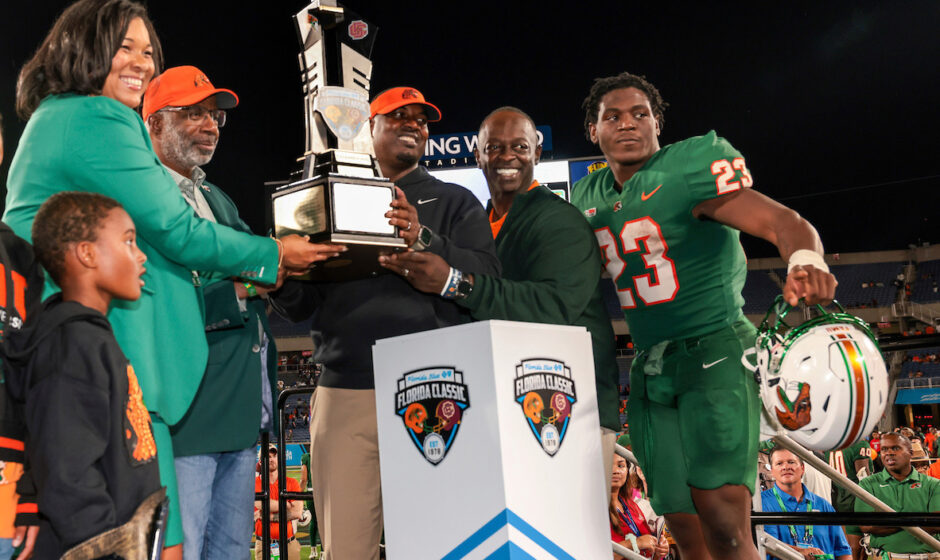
6 549
217 494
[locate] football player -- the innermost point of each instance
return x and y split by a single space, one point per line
667 221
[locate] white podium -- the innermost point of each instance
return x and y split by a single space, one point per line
489 443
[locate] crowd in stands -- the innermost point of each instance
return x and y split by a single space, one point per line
921 363
924 289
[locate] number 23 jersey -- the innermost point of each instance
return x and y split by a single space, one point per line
676 276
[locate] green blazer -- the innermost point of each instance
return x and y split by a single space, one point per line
96 144
228 403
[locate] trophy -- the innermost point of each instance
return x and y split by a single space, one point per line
340 196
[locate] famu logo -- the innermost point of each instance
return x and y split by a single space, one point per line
795 413
431 402
546 393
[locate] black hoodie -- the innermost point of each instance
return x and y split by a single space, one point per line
90 441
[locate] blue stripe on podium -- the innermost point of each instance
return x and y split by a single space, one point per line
509 550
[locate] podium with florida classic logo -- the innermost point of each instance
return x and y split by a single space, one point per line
489 443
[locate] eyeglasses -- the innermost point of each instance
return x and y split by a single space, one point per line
197 113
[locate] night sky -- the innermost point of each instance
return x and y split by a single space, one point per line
834 104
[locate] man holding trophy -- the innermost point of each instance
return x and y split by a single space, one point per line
349 316
363 187
352 301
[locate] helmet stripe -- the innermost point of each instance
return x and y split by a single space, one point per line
845 360
856 364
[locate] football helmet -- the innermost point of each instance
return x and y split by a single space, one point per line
825 381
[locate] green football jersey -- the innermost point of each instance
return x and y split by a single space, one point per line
844 460
676 276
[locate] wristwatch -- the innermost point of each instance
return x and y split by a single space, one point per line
424 239
464 287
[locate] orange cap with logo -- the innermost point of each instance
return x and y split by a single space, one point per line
392 99
182 86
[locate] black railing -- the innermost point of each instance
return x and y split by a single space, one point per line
282 494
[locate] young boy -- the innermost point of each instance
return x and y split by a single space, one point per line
90 441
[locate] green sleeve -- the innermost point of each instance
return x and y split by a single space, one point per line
561 266
115 158
710 164
933 504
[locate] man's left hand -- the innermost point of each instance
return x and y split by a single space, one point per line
810 284
425 271
404 216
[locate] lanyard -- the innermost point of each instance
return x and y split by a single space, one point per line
807 530
627 518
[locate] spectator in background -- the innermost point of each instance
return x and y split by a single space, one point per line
853 462
628 524
903 489
789 494
294 509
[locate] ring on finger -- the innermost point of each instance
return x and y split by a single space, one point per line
406 272
409 226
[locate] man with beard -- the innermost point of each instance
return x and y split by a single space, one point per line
544 280
184 113
903 489
348 317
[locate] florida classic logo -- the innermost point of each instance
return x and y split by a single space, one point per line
431 403
343 110
545 391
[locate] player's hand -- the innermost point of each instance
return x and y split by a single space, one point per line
299 254
404 216
810 284
425 271
26 535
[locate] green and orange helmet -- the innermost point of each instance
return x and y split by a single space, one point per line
824 381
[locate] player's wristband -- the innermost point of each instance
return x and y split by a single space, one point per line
250 288
450 287
806 257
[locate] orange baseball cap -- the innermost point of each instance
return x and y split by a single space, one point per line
392 99
182 86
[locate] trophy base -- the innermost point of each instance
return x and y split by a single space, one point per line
340 209
361 260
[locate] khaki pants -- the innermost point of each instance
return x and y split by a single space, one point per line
293 549
344 466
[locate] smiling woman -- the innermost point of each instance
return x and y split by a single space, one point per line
132 66
79 56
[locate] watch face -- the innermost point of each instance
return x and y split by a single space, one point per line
464 288
425 235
